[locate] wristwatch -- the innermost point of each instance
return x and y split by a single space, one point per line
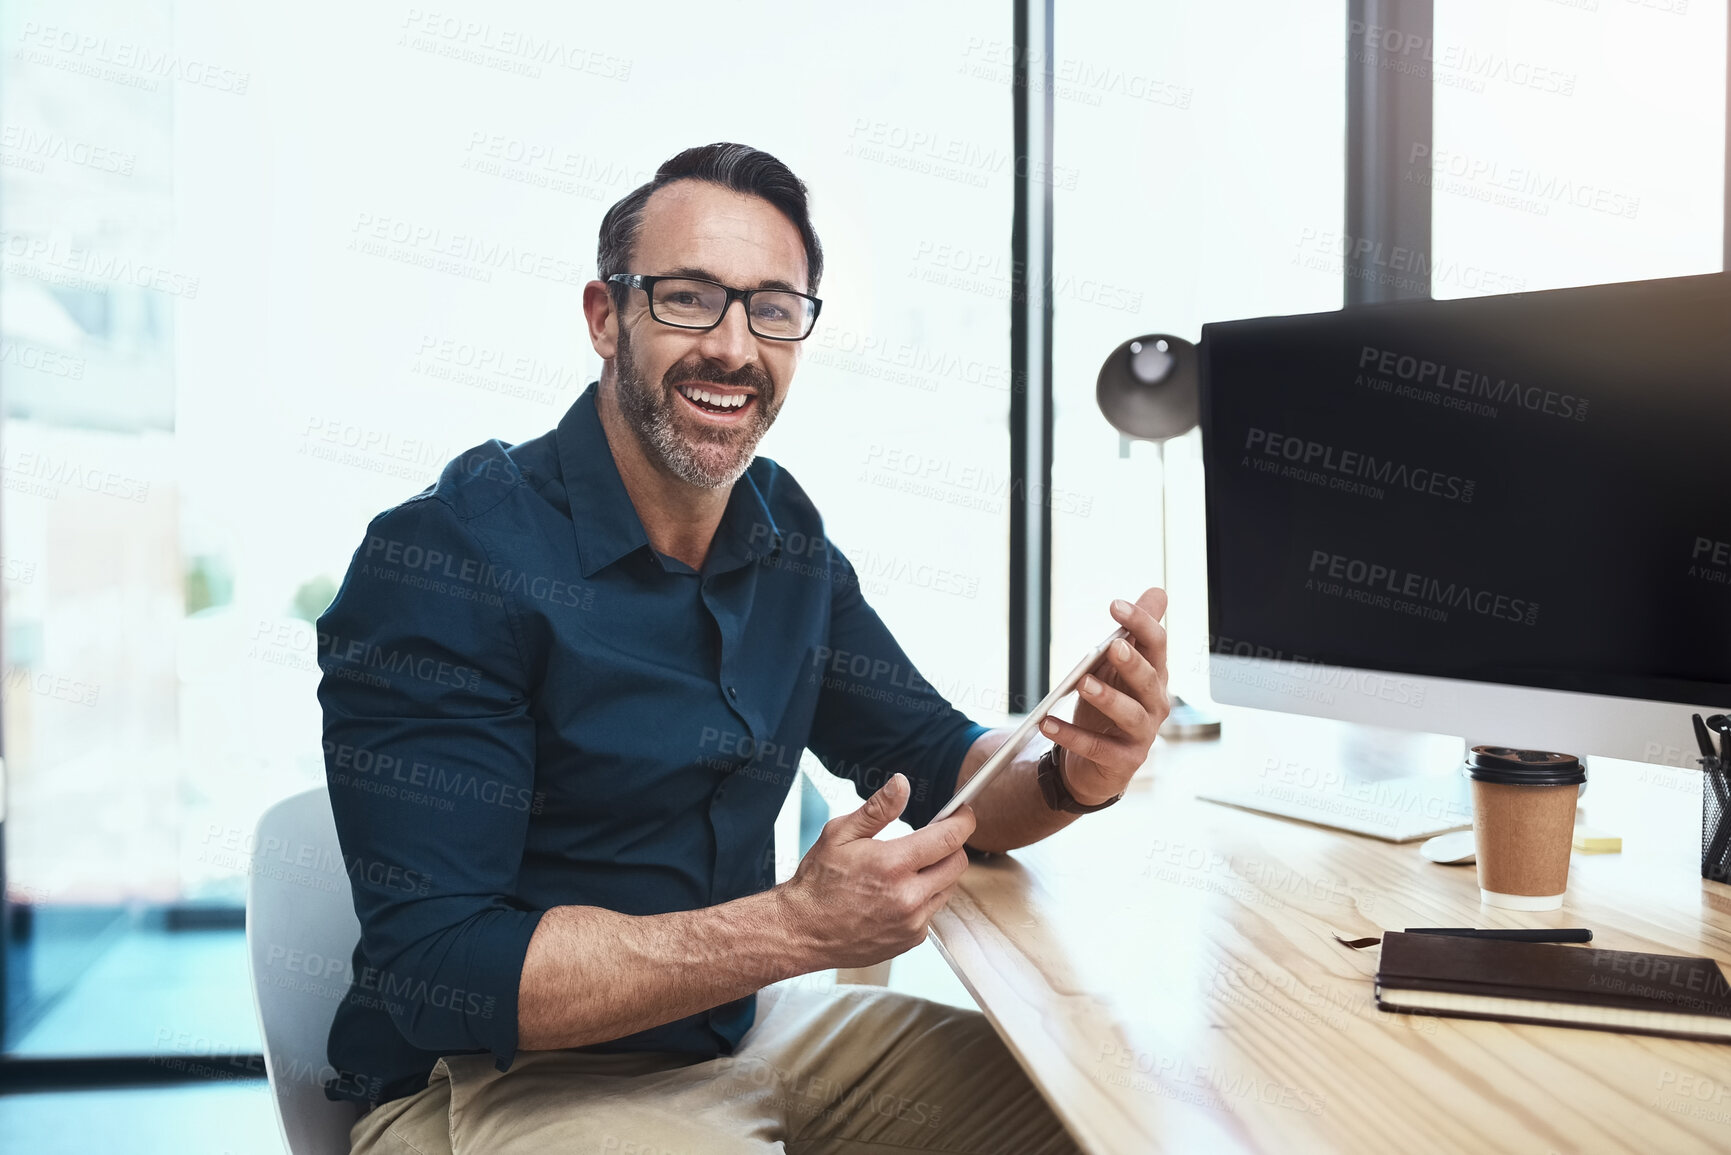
1056 793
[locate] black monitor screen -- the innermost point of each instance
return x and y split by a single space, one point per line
1531 489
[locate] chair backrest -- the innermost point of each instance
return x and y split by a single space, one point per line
300 932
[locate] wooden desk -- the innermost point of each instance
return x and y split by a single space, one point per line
1166 972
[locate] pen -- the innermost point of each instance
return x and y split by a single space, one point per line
1702 738
1721 724
1564 934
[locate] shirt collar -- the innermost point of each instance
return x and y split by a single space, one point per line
606 523
747 530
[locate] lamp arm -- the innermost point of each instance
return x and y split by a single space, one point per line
1165 507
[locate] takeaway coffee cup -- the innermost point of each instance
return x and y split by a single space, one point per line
1523 824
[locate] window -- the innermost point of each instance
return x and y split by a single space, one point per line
1198 176
325 253
1575 143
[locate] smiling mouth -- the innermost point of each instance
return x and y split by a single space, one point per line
713 402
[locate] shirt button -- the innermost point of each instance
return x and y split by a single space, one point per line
733 692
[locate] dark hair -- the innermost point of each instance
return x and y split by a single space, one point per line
735 166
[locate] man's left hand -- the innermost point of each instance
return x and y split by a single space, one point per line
1121 707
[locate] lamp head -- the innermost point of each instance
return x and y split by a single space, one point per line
1150 388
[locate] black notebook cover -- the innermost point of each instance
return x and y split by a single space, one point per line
1658 984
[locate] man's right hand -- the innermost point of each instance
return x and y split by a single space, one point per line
854 900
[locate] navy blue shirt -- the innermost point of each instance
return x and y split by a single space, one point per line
526 706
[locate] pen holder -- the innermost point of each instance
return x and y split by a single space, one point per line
1715 822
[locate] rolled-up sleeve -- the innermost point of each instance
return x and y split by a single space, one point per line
429 752
875 715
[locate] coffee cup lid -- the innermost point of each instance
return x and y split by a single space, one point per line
1509 767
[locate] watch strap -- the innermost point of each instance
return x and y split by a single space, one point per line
1056 792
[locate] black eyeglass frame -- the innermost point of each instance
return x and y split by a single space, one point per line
647 283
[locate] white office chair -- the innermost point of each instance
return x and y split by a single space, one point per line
793 835
290 907
303 908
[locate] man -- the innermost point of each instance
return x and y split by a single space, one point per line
565 693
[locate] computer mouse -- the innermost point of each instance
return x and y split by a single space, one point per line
1453 849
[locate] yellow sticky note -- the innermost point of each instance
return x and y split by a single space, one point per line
1589 840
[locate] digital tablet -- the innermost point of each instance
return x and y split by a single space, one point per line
1000 757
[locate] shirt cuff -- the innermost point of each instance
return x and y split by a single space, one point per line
948 770
498 969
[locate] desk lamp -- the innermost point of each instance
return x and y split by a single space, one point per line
1150 391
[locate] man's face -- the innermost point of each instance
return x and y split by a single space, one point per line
698 229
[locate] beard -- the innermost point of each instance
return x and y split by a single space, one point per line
696 453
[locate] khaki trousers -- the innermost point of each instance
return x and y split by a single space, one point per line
855 1070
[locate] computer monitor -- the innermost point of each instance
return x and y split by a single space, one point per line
1505 518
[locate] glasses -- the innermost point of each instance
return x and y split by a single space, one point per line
694 303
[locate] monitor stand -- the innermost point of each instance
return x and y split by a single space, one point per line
1374 753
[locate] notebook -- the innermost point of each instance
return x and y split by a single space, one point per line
1569 986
